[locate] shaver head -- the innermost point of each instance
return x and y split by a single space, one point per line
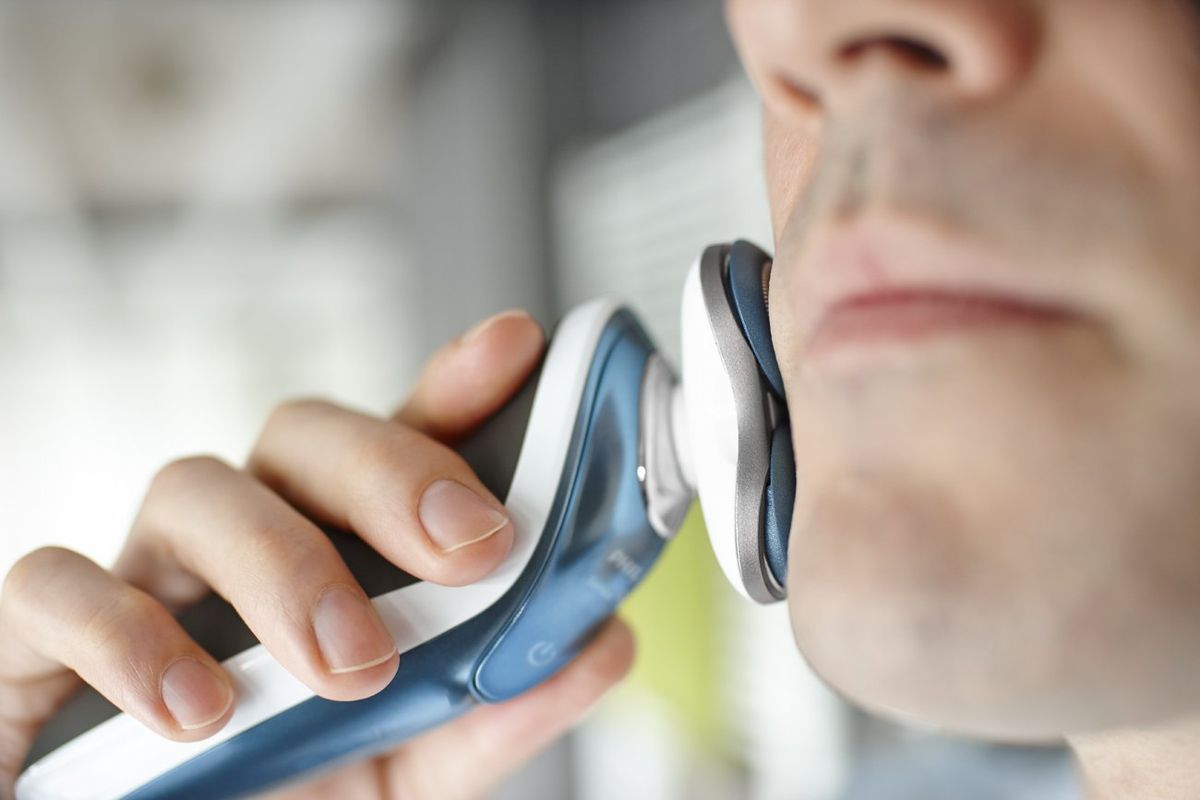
736 418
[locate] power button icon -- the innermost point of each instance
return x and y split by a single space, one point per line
541 654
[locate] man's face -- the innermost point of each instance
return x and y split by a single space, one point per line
986 305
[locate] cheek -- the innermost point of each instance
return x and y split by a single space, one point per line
789 154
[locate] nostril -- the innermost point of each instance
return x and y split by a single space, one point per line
911 51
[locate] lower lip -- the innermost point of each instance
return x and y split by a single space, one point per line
908 319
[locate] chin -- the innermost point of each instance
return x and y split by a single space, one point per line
907 615
1009 552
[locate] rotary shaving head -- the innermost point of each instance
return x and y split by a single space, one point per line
735 418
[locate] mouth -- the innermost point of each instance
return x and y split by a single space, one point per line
886 283
909 317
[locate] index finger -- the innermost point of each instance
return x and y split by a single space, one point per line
471 377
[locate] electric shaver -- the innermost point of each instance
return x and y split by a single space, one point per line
597 459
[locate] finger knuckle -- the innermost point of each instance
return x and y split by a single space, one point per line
184 471
127 637
30 573
279 548
279 558
382 455
115 621
292 408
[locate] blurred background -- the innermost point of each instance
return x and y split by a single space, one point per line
206 208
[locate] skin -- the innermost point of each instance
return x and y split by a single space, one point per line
995 529
206 524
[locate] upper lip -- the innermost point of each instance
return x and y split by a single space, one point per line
889 257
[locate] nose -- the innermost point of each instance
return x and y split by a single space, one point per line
819 53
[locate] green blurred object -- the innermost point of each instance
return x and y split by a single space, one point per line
675 616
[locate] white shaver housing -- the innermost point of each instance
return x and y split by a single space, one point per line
728 430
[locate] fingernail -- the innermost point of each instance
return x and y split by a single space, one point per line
492 320
195 696
455 517
349 633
